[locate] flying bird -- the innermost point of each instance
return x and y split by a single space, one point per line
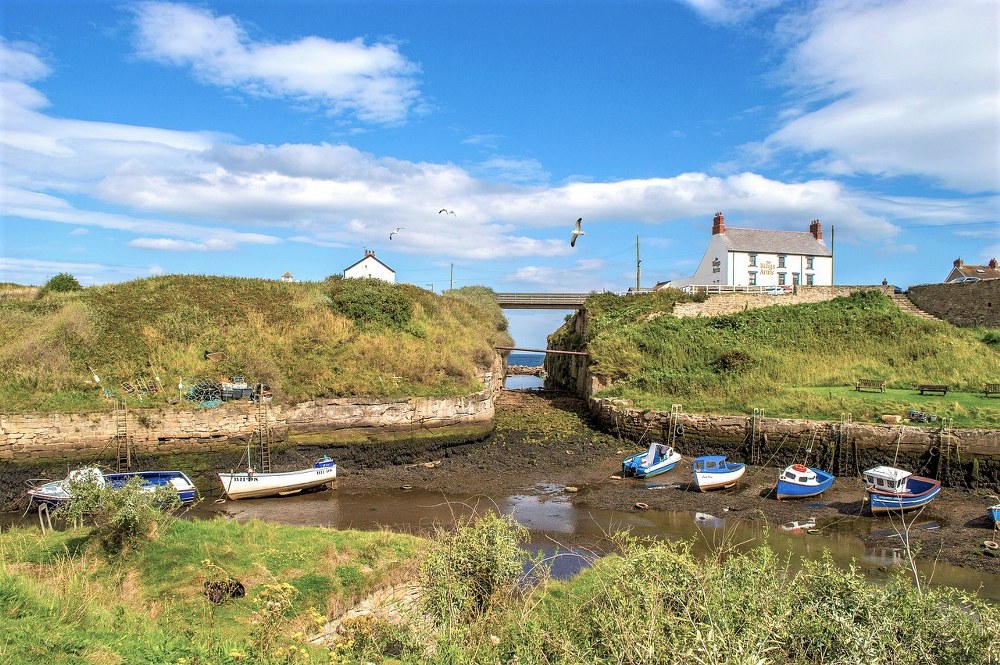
396 232
576 232
450 212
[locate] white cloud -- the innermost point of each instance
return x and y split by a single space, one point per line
79 232
38 271
511 169
373 82
906 87
19 61
729 11
174 245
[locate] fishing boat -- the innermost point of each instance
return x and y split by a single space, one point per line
798 481
994 512
712 472
658 459
895 490
251 484
58 492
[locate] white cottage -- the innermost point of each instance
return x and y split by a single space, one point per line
761 257
371 267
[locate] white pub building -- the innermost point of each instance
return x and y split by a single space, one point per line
760 257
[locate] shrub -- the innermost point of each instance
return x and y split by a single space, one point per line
122 517
371 302
62 283
476 567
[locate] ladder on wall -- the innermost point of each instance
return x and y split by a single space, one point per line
263 435
843 453
672 426
756 434
122 441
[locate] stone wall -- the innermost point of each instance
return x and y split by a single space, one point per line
960 457
730 303
965 305
48 436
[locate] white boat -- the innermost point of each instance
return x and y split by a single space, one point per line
658 459
58 492
250 484
715 472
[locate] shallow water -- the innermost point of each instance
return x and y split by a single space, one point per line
523 382
574 536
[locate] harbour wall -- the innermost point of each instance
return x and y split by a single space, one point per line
35 437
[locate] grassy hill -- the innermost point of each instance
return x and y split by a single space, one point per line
788 360
314 339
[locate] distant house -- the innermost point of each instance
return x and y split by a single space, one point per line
761 257
371 267
963 271
287 277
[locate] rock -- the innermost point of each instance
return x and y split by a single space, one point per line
892 420
571 489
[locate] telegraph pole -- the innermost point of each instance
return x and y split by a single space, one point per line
452 279
638 262
832 236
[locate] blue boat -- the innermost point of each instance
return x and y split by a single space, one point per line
715 472
799 481
57 492
895 490
660 458
994 512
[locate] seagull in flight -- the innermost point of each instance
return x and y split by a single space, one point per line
396 232
576 233
450 212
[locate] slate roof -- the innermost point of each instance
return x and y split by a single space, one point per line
982 272
774 242
372 257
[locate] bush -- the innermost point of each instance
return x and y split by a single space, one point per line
476 567
122 517
371 302
62 283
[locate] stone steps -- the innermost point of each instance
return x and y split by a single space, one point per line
905 304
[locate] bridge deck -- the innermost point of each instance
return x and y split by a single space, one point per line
541 300
554 351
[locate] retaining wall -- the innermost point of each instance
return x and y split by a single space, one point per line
730 303
965 305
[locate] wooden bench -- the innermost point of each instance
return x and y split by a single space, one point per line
932 388
991 389
870 384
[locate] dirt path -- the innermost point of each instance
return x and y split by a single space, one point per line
544 437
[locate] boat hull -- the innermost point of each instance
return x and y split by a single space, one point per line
248 485
921 492
786 489
57 493
717 480
633 466
994 512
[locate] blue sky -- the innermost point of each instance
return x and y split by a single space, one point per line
251 138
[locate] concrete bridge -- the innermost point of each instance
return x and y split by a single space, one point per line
541 300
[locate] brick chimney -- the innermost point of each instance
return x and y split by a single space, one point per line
718 224
993 263
958 263
370 253
816 229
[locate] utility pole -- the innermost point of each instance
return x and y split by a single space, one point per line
452 279
638 262
832 236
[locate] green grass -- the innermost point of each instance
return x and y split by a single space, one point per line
300 338
61 601
799 360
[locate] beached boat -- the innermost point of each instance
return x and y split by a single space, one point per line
658 459
250 484
798 481
994 512
714 472
895 490
57 492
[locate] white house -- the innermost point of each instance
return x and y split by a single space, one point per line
371 267
760 257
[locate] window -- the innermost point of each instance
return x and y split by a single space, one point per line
781 260
809 279
781 279
753 279
753 259
809 263
795 278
